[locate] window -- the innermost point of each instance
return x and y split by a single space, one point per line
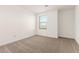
43 22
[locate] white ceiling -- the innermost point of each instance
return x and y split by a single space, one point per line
42 8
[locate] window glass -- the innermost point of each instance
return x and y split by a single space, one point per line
43 22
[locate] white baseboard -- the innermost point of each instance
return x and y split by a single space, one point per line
66 36
14 40
48 36
77 40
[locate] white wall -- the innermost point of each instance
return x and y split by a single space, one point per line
77 23
51 25
15 23
66 23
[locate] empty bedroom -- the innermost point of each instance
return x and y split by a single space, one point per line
39 29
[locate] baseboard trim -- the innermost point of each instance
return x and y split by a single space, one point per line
64 37
46 36
76 39
12 41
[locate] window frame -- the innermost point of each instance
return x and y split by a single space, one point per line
42 22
